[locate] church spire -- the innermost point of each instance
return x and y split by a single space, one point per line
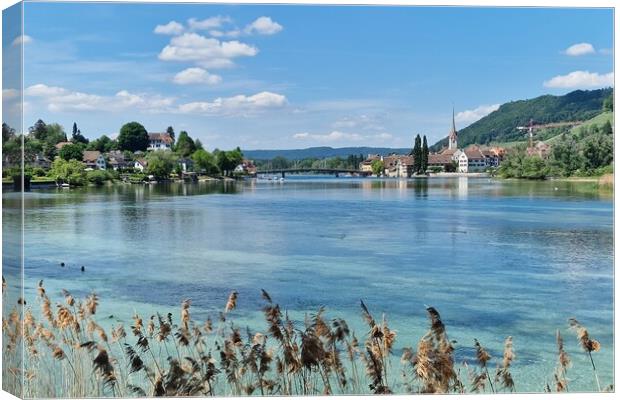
452 136
453 124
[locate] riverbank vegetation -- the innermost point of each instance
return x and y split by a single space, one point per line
585 151
69 353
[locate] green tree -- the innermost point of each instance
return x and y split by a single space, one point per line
38 130
565 157
97 177
185 146
72 152
533 167
607 129
280 162
160 164
8 133
424 156
377 167
608 103
170 131
598 151
417 155
205 162
198 144
71 172
133 137
104 144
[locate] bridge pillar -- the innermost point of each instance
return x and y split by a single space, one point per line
337 175
282 174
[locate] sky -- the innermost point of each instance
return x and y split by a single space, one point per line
293 76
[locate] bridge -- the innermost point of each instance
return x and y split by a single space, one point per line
330 171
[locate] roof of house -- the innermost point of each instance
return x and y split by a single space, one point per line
164 137
142 162
61 145
91 155
439 158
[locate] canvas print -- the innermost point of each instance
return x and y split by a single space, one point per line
255 200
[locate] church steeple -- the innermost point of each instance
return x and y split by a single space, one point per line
453 136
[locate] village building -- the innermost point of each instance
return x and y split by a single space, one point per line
117 161
60 145
140 165
94 159
160 141
246 167
366 165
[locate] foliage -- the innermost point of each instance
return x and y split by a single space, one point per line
76 354
500 125
104 144
205 162
133 137
72 152
417 155
161 164
608 104
76 136
71 172
424 156
185 145
8 133
98 177
377 167
226 161
170 131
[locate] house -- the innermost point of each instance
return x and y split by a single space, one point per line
440 160
366 165
160 141
117 161
140 164
94 159
246 167
41 161
60 145
404 167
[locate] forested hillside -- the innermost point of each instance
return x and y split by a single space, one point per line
500 125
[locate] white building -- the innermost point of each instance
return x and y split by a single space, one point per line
160 141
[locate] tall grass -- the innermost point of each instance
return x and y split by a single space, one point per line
67 353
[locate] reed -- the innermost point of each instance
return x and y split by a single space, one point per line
68 353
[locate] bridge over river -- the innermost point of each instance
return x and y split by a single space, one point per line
330 171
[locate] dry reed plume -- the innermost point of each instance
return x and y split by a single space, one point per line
67 353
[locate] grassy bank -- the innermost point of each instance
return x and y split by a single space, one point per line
69 354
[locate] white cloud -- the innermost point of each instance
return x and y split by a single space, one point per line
60 99
236 105
580 49
209 23
196 75
204 51
581 79
468 116
171 28
337 136
232 33
363 122
263 26
22 39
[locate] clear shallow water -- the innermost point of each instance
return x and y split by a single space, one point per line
496 258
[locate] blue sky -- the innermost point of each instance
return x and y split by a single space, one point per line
300 76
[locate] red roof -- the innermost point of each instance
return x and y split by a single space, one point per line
164 137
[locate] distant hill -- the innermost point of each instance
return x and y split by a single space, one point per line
320 152
500 125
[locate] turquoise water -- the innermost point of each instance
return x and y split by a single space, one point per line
496 258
